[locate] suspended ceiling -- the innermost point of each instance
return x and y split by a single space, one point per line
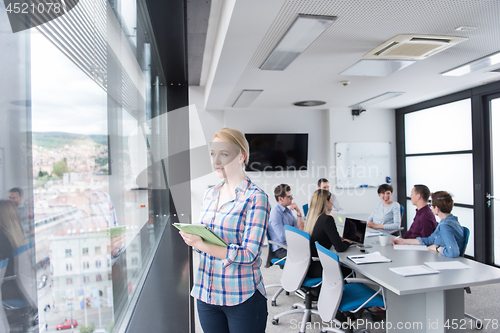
242 33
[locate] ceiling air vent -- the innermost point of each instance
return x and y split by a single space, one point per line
309 103
413 47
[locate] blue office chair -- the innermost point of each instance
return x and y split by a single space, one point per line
348 298
22 313
478 322
4 324
305 208
294 273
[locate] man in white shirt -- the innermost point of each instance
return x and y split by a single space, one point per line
323 184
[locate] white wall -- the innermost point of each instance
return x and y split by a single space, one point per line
325 128
375 125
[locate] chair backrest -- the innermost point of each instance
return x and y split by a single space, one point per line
402 210
305 208
25 273
4 324
332 286
298 258
466 236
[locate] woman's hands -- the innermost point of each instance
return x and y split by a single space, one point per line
373 225
192 240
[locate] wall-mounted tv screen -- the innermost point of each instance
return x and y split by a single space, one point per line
277 152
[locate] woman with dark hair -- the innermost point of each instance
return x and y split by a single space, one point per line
448 238
387 213
322 229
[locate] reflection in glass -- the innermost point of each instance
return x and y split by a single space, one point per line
426 132
452 173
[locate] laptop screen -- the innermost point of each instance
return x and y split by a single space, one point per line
354 230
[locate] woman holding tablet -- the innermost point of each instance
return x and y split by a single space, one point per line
228 286
387 213
322 229
448 238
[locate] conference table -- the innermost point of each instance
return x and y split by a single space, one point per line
424 303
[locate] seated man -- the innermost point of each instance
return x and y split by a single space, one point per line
281 215
323 184
424 222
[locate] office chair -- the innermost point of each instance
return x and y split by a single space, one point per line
347 298
305 208
4 324
23 312
294 273
273 261
479 323
398 231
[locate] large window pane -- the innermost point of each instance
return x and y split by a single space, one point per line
429 130
452 173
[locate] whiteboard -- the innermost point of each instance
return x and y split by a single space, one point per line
362 164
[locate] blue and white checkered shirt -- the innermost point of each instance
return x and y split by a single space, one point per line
242 224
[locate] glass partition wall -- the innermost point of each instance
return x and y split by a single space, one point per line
73 91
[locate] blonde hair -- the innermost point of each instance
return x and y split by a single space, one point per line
10 224
236 138
317 207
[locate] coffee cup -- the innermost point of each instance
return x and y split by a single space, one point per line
384 239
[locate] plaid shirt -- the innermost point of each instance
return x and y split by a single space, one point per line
242 224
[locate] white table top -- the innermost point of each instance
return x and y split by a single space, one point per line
478 274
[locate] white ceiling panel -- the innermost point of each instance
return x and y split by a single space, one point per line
257 25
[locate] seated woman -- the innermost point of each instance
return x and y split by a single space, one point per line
387 213
448 238
322 229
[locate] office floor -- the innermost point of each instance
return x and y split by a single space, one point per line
482 303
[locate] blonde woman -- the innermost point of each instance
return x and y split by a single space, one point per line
11 237
228 286
322 229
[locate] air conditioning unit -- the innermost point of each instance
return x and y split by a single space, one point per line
413 47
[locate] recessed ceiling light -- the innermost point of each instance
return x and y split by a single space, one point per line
366 67
309 103
246 98
304 30
377 99
464 28
475 65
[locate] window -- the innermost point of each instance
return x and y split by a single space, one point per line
440 156
87 94
97 264
98 277
135 261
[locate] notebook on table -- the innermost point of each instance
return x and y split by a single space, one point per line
413 270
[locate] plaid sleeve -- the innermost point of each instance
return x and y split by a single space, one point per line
256 220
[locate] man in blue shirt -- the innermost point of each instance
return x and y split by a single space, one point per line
281 215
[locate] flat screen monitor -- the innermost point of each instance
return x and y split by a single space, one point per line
277 152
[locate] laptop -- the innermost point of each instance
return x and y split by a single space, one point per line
354 230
